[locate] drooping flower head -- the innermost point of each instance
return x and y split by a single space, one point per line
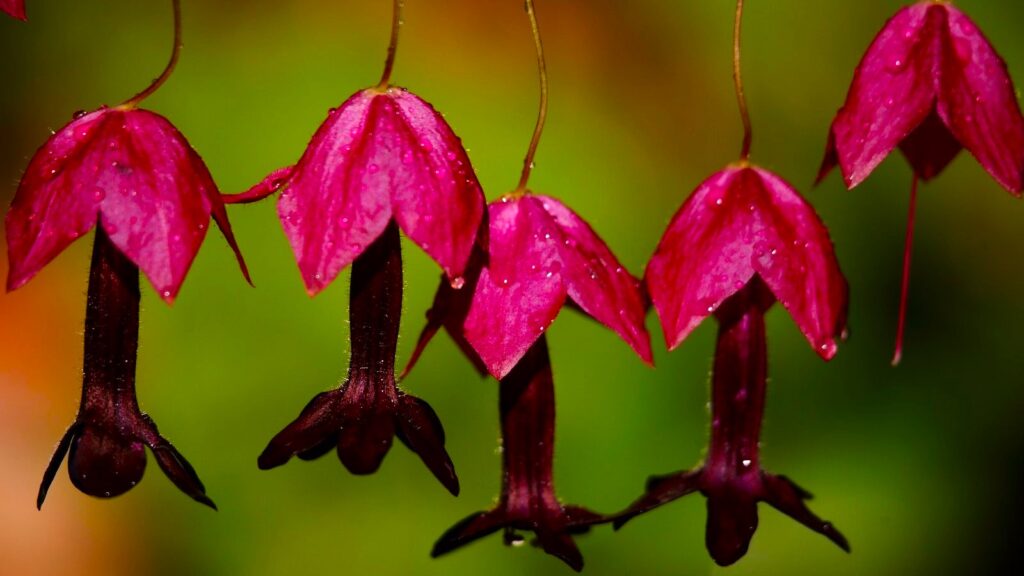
384 160
533 256
742 240
740 224
931 84
130 174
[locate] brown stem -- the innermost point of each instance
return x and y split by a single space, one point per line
738 80
175 52
389 63
542 114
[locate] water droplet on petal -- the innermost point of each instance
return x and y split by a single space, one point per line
78 114
745 463
458 282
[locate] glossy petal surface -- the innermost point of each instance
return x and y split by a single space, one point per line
740 222
930 60
539 253
978 101
132 171
381 155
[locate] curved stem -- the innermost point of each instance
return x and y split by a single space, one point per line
737 78
396 23
175 52
543 113
905 284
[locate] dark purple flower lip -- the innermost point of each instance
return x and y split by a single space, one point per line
528 500
108 457
363 415
108 438
731 477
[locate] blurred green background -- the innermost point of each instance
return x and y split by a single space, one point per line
919 466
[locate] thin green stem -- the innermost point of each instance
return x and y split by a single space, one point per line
738 80
543 113
175 52
389 64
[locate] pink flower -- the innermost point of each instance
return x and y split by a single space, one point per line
385 160
539 254
930 83
15 8
740 223
742 240
534 255
130 170
384 154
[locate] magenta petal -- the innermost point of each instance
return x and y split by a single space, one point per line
596 281
381 154
520 291
798 263
705 255
978 101
151 191
740 222
16 8
337 202
437 200
893 90
54 204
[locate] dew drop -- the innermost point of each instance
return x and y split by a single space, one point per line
98 194
167 293
78 114
745 463
504 282
458 282
718 202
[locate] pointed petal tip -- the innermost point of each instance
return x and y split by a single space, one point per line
271 458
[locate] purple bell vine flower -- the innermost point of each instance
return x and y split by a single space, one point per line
930 84
532 256
742 240
128 173
384 160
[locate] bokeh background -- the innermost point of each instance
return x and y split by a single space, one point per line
919 466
